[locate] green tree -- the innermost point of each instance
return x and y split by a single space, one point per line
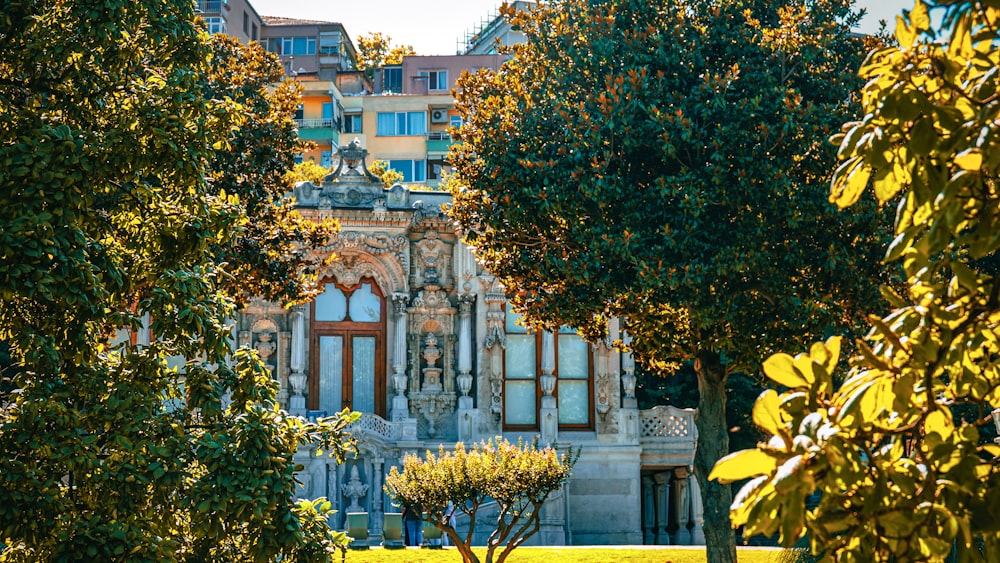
375 50
114 209
518 478
665 162
272 256
903 477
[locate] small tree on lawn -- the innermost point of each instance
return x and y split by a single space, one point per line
517 477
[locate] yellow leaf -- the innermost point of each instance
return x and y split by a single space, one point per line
969 159
781 369
904 34
849 181
766 412
939 421
743 464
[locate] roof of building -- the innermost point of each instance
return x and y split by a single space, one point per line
277 20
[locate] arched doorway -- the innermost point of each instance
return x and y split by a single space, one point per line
347 348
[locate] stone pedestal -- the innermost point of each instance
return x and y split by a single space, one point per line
467 418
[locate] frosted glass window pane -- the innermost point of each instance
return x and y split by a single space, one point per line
573 357
512 318
520 356
574 406
519 403
363 378
331 305
365 305
331 366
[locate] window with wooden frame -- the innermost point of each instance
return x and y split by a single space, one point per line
522 390
347 349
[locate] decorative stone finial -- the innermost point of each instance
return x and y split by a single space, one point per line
352 155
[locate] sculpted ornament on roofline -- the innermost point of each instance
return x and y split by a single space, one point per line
372 243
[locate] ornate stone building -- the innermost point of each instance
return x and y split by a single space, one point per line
412 332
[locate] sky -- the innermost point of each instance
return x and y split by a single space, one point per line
434 27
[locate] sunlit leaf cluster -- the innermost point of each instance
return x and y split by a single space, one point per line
900 452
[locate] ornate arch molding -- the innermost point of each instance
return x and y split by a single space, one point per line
380 256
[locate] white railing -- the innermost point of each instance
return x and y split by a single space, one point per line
314 123
211 6
438 136
667 422
372 424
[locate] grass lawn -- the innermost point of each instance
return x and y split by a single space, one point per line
610 554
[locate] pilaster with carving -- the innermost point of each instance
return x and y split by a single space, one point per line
607 383
548 413
629 401
297 377
432 331
495 343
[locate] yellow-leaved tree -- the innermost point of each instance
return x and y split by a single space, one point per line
902 450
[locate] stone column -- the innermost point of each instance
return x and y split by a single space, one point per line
281 367
333 494
464 377
648 511
549 413
142 335
400 407
297 379
466 403
661 492
375 520
697 512
682 496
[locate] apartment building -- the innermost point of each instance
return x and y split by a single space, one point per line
233 17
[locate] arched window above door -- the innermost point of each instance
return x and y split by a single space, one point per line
360 304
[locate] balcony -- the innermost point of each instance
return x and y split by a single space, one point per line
319 130
438 141
323 123
211 6
667 435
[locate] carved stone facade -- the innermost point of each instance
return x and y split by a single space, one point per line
409 314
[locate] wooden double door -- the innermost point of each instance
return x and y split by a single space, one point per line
347 349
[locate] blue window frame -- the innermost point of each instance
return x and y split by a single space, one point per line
400 123
412 170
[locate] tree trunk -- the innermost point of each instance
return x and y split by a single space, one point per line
713 444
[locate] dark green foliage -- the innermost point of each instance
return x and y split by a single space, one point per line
113 209
667 163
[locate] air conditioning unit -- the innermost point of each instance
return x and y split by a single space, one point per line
439 116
